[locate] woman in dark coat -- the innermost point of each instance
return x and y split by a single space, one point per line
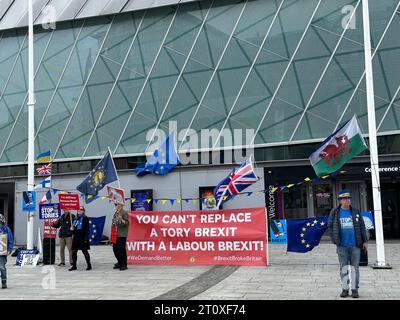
80 239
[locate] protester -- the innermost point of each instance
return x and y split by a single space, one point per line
81 239
348 232
65 234
8 238
121 222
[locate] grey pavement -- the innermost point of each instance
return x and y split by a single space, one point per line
313 275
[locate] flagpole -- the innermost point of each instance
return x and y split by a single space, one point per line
31 124
109 150
380 247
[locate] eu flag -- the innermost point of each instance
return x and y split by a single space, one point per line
163 159
103 174
304 234
96 226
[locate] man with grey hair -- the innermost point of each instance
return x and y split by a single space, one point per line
6 247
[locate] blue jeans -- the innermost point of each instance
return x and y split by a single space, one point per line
3 271
349 257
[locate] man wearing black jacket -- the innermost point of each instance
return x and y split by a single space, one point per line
347 231
65 223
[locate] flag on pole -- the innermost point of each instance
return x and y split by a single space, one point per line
342 145
103 174
239 179
44 157
46 183
163 160
44 170
46 197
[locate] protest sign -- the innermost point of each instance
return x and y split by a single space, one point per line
29 260
116 195
278 231
69 201
27 254
49 211
219 237
28 200
48 231
3 244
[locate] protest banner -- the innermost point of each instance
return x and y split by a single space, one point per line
49 211
116 195
218 237
48 231
3 244
69 201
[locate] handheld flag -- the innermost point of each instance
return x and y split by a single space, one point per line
44 170
304 234
239 179
163 160
96 226
103 174
342 145
44 157
46 183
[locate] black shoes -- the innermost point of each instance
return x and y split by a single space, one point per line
116 266
354 293
344 294
72 268
61 264
89 267
4 285
123 268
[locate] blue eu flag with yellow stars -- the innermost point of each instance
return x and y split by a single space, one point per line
103 174
96 226
163 159
304 234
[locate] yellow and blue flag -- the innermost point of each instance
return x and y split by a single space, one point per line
96 226
163 159
44 157
103 174
304 234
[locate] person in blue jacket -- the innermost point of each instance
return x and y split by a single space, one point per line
4 230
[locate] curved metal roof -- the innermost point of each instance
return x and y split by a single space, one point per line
14 13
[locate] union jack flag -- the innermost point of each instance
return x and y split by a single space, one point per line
238 180
44 170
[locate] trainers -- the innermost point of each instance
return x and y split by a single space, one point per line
344 294
354 293
4 285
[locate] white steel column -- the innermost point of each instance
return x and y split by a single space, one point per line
31 125
373 145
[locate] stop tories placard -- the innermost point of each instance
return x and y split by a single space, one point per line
219 237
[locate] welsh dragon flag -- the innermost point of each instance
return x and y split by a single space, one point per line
342 145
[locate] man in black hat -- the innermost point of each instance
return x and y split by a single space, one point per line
347 231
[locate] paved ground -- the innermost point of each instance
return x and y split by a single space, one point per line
289 276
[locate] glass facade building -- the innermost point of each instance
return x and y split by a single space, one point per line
292 70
